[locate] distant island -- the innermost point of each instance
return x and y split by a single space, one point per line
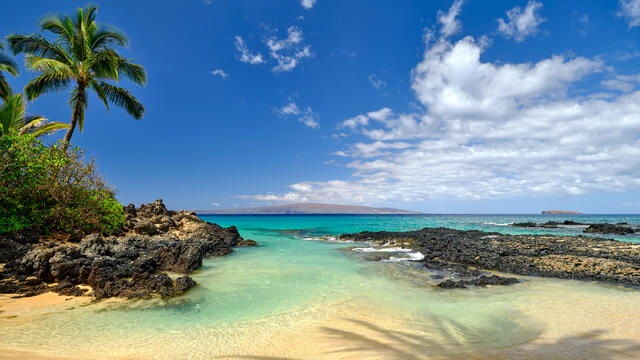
300 209
560 212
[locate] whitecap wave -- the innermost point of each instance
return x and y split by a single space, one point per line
412 256
383 249
496 224
323 238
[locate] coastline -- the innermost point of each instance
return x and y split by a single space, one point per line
464 252
538 317
573 320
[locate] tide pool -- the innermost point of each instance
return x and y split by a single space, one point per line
299 298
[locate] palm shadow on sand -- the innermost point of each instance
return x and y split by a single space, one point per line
453 340
457 341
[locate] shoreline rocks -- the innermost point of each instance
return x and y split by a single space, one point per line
603 228
129 263
466 252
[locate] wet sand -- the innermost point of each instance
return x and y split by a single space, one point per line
544 318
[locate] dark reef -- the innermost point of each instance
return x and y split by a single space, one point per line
129 263
464 253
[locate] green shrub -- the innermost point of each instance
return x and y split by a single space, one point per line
52 189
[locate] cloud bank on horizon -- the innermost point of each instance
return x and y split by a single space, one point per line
492 130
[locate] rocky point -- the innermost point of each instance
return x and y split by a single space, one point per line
129 263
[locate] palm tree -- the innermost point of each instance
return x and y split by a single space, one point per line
6 64
12 118
82 56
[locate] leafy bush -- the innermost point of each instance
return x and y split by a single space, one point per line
52 189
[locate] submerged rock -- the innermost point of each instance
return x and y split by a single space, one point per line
482 281
129 266
248 242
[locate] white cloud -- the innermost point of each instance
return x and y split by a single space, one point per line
521 22
490 131
307 4
289 109
289 51
245 55
630 10
219 72
376 83
306 116
449 21
624 83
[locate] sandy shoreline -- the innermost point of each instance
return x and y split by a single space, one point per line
20 307
571 323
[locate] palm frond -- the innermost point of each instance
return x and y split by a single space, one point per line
5 89
46 128
124 99
35 44
49 66
104 63
101 95
133 72
44 83
58 24
105 36
8 64
11 113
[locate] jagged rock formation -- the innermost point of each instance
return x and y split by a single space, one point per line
568 257
130 264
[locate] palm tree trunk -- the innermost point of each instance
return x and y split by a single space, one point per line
75 116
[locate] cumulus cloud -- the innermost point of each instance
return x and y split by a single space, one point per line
376 83
219 72
245 55
490 130
449 20
307 4
288 51
306 116
630 10
624 83
521 22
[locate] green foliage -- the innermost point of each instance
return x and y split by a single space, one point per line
7 64
53 189
13 118
83 55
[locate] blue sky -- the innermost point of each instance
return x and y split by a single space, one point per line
438 106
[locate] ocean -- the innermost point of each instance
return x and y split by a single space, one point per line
298 296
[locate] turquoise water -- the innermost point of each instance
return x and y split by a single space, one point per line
337 224
293 294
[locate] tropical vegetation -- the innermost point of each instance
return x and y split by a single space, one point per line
53 188
13 118
7 64
82 56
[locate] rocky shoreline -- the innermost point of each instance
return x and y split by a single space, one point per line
599 228
464 254
131 262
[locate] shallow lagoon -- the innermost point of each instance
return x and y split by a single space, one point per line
298 298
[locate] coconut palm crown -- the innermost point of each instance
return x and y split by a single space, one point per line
83 57
6 65
13 118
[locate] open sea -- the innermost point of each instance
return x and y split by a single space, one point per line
298 297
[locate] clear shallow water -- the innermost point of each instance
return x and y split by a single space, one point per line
309 299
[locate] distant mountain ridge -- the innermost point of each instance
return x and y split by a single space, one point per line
300 209
560 212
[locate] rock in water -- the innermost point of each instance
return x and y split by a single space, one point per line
130 266
568 257
609 229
